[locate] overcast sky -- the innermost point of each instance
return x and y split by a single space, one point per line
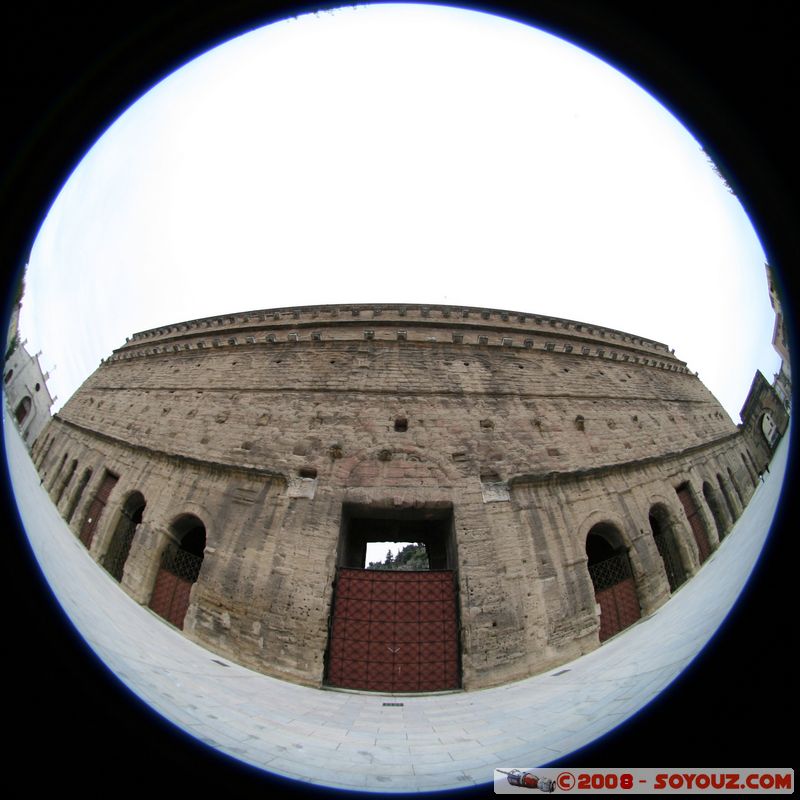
400 153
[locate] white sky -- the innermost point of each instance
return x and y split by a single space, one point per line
409 154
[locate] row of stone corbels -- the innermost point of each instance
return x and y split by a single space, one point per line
334 313
294 337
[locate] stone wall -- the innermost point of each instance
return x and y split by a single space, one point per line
763 436
532 437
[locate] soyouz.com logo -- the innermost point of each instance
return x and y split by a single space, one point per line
513 780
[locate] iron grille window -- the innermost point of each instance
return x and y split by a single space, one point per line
610 572
179 562
121 547
671 559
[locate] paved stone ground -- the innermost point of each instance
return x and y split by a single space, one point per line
353 740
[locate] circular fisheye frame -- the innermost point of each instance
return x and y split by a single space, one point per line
395 438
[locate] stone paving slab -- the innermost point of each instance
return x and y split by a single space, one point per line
435 741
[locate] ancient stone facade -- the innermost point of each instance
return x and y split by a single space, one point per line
764 421
568 477
26 392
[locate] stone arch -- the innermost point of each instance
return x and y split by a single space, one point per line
404 466
751 461
22 410
769 430
77 494
716 509
664 528
612 577
180 562
119 548
686 494
96 509
752 475
723 487
58 471
41 456
66 481
736 487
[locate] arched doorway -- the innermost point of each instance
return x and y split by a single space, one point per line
72 467
753 475
96 508
23 407
664 535
716 512
728 499
120 546
735 486
612 578
179 569
769 429
395 629
76 497
686 496
58 471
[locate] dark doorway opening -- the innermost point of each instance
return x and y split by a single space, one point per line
612 578
97 507
430 527
716 511
179 569
22 410
664 536
395 630
76 497
73 466
728 499
686 496
121 541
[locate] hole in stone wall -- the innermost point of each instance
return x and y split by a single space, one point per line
401 424
431 529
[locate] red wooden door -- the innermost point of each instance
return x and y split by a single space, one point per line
96 508
615 592
695 521
170 598
619 608
394 631
178 572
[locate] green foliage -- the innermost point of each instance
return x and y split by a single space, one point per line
19 289
411 557
718 171
12 346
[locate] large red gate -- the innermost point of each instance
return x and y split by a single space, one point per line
394 631
96 508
